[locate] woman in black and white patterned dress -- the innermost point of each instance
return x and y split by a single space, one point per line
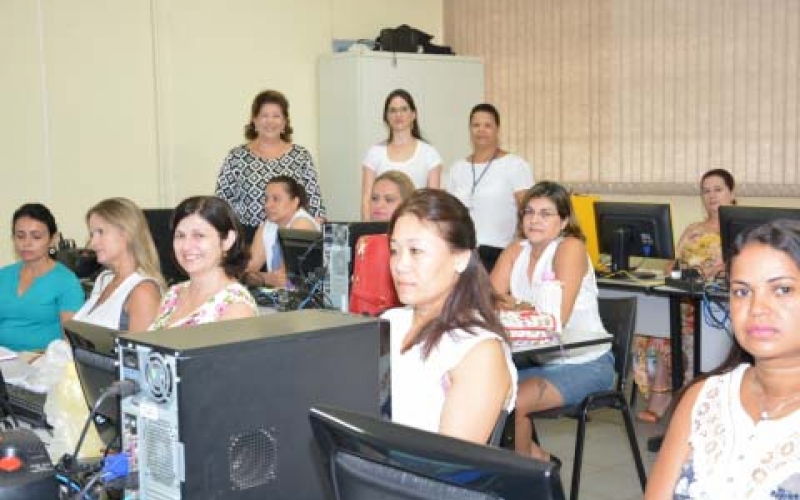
270 152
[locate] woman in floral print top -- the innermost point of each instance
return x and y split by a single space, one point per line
209 247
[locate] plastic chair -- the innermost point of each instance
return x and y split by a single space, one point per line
619 318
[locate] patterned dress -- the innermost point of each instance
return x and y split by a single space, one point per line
209 312
243 178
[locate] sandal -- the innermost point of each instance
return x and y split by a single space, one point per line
647 416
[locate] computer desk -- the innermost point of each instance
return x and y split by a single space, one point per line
525 356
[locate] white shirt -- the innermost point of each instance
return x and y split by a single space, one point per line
109 312
424 159
419 386
487 189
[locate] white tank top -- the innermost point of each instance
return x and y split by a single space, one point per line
108 313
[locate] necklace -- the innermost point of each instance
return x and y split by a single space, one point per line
764 412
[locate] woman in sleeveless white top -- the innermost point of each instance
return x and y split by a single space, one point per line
736 433
111 312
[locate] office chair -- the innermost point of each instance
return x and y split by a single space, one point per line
619 318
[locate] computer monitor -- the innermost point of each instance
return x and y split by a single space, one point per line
160 222
633 229
95 356
366 457
735 219
302 255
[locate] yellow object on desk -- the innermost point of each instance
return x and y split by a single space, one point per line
583 206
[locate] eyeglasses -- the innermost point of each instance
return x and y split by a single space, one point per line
544 214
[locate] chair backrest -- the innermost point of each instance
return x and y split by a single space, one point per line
497 433
619 318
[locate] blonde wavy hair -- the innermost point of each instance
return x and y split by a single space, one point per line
129 218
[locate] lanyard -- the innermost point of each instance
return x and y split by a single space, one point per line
477 181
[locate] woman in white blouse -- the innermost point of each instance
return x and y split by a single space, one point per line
404 150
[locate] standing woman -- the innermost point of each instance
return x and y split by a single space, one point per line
126 295
37 294
491 183
404 150
210 249
243 178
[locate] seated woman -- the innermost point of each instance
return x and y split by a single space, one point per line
126 295
734 433
285 206
209 247
388 192
451 364
553 246
37 294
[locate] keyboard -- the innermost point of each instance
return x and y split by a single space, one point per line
27 405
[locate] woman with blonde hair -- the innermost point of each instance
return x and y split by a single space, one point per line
388 192
126 295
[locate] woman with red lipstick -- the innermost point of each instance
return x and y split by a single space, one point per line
553 248
734 433
451 368
37 294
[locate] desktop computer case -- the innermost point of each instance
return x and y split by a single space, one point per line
223 408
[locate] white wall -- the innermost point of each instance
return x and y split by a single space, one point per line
143 99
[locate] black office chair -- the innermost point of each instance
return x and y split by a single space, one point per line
619 319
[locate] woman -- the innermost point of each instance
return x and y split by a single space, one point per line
126 295
285 207
491 183
388 192
734 434
247 168
37 294
451 365
553 248
404 150
210 249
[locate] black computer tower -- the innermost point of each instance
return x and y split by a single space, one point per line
223 408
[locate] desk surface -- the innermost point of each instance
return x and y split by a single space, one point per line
524 356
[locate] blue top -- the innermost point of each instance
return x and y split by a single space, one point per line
32 320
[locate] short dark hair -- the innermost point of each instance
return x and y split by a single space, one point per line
560 197
294 188
36 211
471 303
220 215
269 97
403 94
485 107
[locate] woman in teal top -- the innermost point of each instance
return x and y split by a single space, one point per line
37 294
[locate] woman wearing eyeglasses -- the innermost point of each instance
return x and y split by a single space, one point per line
553 247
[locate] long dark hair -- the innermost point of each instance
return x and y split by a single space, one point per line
404 95
471 303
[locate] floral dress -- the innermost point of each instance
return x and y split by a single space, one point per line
209 312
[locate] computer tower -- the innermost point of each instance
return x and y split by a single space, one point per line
222 408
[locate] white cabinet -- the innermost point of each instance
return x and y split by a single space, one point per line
352 90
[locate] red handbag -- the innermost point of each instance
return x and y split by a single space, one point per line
372 289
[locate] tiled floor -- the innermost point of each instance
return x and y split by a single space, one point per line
608 469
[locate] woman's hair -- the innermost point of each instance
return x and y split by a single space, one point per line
294 188
560 197
36 211
128 217
399 179
723 174
219 214
269 97
403 94
471 303
486 108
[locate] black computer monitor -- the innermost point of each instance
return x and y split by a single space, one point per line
160 222
633 229
735 219
95 355
366 457
302 255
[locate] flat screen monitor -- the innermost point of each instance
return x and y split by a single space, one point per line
96 362
365 457
160 222
735 219
633 229
302 255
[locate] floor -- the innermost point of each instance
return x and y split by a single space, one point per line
608 469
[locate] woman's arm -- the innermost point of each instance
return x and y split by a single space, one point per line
367 179
435 177
674 450
501 273
304 224
479 386
570 264
228 181
142 305
258 255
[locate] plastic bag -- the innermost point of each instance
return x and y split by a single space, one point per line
45 371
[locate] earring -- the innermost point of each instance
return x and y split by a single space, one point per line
52 251
461 266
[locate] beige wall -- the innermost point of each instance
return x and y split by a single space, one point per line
143 99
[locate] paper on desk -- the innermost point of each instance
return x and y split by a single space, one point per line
15 370
6 354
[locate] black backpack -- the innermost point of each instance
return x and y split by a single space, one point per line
404 38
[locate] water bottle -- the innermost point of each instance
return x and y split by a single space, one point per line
548 297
